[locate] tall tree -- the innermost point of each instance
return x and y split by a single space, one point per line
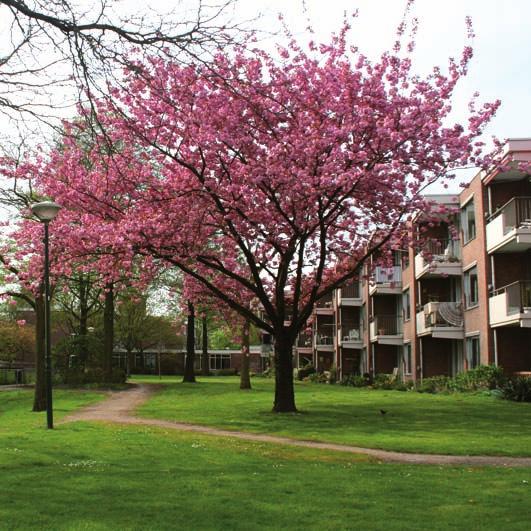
205 362
108 331
189 362
307 165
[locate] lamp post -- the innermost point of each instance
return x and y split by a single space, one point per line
46 212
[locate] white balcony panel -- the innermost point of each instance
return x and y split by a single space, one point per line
436 268
506 239
385 337
501 313
387 281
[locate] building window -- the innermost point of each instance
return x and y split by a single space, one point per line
219 361
406 305
468 222
472 352
405 259
407 358
471 287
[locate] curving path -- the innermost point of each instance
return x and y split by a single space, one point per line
121 405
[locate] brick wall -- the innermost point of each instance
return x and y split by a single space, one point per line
477 319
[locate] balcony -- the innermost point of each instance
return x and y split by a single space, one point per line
325 305
509 228
386 281
305 342
442 320
441 257
387 330
350 295
350 336
324 337
511 305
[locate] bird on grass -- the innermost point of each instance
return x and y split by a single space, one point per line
383 412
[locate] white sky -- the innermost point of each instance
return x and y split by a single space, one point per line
501 67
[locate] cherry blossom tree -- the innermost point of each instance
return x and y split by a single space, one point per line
277 174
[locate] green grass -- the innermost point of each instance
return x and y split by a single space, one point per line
474 424
86 476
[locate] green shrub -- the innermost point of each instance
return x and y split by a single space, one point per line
79 376
355 380
408 385
517 389
332 376
483 377
305 371
318 377
384 381
435 384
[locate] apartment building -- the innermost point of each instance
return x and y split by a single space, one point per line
462 299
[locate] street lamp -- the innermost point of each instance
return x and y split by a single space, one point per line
46 212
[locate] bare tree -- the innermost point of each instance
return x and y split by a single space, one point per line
60 52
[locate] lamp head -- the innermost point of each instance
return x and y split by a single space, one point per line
45 210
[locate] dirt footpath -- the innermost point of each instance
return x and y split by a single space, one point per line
121 405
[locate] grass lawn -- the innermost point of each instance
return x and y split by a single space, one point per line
86 476
461 424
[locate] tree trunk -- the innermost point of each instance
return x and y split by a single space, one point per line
284 391
83 336
39 400
189 372
108 332
83 321
245 377
205 368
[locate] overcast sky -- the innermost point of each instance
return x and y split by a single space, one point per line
501 67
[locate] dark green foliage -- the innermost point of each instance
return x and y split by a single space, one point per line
79 353
17 376
517 389
355 380
94 375
305 371
435 384
318 377
384 381
483 377
17 343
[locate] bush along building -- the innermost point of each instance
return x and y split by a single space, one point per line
461 300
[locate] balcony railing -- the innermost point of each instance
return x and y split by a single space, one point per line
516 213
518 296
351 332
305 340
388 275
325 302
324 335
351 291
442 250
443 314
388 325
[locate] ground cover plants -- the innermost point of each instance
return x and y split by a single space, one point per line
105 476
458 423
